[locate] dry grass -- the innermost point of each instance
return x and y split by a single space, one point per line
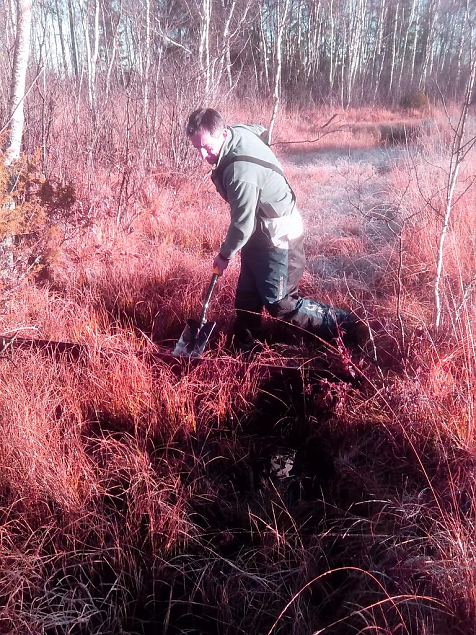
139 496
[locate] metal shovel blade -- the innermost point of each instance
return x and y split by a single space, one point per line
194 339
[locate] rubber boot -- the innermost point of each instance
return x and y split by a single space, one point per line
321 319
247 332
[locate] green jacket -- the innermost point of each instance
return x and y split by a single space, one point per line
260 198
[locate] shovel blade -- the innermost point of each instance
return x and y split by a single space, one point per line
193 340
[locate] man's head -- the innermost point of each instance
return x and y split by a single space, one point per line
207 133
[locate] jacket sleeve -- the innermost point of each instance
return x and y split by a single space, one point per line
243 198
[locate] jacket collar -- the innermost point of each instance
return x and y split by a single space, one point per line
225 148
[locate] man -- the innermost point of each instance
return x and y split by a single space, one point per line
265 226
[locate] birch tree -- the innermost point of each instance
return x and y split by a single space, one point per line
73 43
92 47
16 112
147 57
277 79
17 87
459 149
204 47
153 53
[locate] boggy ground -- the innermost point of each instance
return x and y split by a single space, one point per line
227 497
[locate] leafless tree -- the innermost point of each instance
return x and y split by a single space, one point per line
282 15
17 88
110 56
459 149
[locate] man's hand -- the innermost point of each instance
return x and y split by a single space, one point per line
220 264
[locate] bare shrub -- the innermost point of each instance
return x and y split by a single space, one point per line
138 492
415 101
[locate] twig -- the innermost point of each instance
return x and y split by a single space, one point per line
22 100
339 129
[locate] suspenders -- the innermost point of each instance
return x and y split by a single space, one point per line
248 159
264 164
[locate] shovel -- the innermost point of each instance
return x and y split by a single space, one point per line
195 335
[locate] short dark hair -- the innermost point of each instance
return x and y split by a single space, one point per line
204 119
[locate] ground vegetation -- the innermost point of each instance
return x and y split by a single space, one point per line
240 495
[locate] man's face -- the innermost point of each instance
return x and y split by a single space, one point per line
208 144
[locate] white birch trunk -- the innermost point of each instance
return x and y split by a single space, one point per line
17 87
147 57
313 57
225 57
415 42
331 61
377 48
279 61
91 50
459 65
10 30
355 47
264 46
405 43
95 54
17 116
204 47
458 152
394 49
111 63
59 16
74 48
429 43
85 23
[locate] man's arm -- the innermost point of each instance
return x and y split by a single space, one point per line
243 198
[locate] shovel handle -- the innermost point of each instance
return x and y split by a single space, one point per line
207 299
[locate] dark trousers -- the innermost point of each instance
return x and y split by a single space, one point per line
269 278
